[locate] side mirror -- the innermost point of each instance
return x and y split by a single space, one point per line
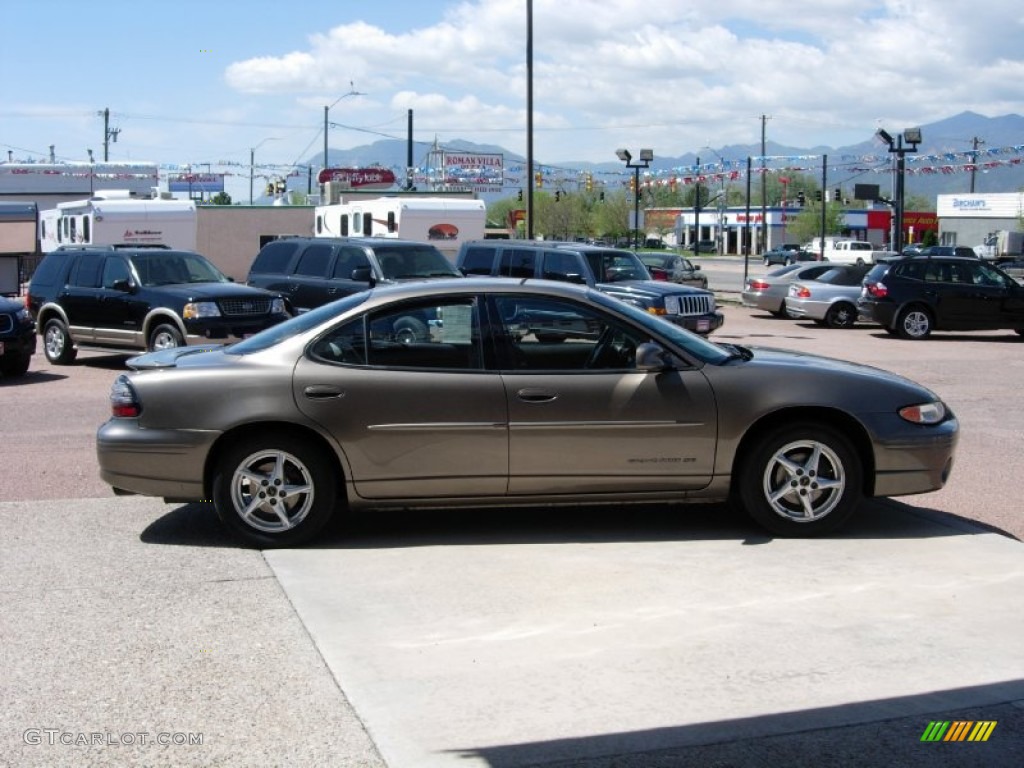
363 275
125 286
651 357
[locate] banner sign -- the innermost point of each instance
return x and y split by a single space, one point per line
359 178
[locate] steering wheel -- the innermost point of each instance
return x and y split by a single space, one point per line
601 347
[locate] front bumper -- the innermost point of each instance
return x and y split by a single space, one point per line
702 324
226 329
913 459
19 342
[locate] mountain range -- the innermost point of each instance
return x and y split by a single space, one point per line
940 165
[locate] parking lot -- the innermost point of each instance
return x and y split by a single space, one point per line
660 635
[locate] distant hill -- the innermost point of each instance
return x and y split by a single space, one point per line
929 173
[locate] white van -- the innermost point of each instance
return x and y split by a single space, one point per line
850 252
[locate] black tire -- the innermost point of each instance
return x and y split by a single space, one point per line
411 329
781 311
820 467
58 346
248 497
14 365
788 262
914 322
841 315
165 336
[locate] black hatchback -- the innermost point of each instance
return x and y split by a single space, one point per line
913 296
138 299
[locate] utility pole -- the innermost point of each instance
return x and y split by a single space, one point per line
974 160
763 245
108 133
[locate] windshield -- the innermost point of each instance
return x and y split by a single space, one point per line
696 345
175 267
296 325
400 262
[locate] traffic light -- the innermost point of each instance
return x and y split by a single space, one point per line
801 199
538 179
839 195
520 195
558 195
590 182
817 195
632 184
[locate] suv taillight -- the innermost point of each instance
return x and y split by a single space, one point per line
124 401
878 290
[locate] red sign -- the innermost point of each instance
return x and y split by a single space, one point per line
362 178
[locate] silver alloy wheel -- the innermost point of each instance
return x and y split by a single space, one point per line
54 341
804 481
272 491
164 340
916 323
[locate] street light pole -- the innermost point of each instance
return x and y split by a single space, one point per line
252 162
913 137
644 161
327 110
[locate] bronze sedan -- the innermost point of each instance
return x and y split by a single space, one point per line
525 392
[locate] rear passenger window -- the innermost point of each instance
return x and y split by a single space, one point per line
518 262
477 260
314 261
86 273
50 270
274 258
560 265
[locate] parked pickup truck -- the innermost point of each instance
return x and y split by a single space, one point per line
856 252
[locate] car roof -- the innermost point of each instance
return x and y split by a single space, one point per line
463 286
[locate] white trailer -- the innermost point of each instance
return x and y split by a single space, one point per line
443 222
117 218
1002 245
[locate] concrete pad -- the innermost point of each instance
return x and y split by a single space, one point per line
126 618
557 635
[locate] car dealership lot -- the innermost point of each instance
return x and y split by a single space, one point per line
522 636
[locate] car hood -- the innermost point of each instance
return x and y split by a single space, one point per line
199 291
648 289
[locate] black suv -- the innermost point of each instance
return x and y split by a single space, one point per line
310 271
913 296
617 272
17 337
138 299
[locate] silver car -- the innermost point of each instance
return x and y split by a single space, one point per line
769 292
830 300
526 392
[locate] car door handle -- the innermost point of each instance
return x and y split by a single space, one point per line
323 392
536 395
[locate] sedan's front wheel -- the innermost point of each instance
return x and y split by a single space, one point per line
274 491
801 480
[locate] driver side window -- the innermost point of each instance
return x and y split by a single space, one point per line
539 334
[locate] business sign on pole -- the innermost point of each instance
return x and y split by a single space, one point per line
196 183
358 178
479 171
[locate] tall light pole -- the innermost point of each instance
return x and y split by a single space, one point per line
252 162
644 161
721 204
913 137
327 109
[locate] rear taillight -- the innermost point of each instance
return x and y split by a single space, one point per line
759 285
878 290
800 291
659 274
124 401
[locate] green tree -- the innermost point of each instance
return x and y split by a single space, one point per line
221 198
807 223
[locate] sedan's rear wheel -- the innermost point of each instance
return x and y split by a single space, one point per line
841 315
801 480
914 323
274 491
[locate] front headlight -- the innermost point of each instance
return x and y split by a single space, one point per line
926 413
23 315
197 309
277 307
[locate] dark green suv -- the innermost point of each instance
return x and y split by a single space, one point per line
141 299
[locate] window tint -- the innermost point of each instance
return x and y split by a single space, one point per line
115 268
86 273
51 269
348 260
518 262
541 334
562 265
477 260
314 261
274 257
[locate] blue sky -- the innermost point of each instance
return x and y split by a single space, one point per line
206 82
